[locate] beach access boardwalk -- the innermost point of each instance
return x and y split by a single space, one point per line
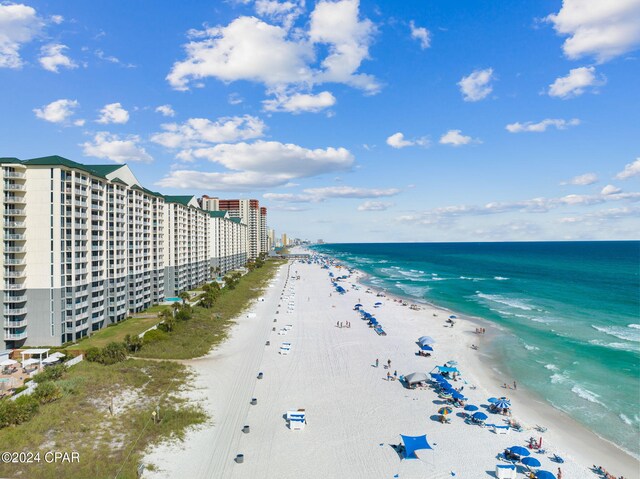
354 415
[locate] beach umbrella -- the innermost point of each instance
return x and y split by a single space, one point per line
530 461
378 303
358 305
453 316
426 340
414 378
426 347
480 416
545 475
471 407
492 400
8 362
445 410
451 363
502 404
436 376
519 450
458 395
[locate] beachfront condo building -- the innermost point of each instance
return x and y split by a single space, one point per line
249 212
264 235
272 238
81 248
84 246
186 243
228 242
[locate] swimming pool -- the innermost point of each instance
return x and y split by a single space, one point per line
172 300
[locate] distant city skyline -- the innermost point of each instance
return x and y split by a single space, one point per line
351 121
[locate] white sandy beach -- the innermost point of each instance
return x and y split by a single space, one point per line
354 415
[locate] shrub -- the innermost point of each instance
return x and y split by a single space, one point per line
50 373
46 392
19 390
114 353
27 380
133 342
183 314
18 411
154 335
93 355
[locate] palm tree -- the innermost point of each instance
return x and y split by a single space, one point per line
168 318
184 296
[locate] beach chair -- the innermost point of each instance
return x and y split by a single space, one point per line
505 471
297 419
501 429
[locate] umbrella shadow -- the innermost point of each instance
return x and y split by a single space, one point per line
435 417
461 414
491 473
399 450
439 402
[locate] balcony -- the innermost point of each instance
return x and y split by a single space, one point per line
15 336
15 224
15 324
15 262
15 312
15 299
15 274
14 174
14 199
14 187
14 249
15 237
14 287
15 212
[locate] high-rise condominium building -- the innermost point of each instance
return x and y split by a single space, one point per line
228 242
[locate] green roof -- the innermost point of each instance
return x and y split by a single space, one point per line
235 219
182 199
55 160
118 180
9 160
217 214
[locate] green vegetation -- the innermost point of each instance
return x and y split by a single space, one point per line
117 332
208 326
80 420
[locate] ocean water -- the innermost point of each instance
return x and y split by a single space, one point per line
570 312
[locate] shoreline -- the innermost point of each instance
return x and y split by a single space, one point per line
489 374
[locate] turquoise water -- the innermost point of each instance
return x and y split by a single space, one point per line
172 300
572 311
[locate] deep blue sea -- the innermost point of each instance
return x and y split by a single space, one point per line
571 311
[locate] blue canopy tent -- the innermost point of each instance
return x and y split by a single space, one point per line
414 443
445 369
545 475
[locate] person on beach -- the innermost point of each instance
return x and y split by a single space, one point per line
389 363
376 362
559 473
388 376
395 375
514 385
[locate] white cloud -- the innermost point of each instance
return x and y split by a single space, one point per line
421 34
234 99
165 110
631 169
57 111
285 12
300 102
316 195
610 190
201 131
251 49
113 113
542 125
57 19
19 24
119 149
260 164
52 57
374 206
477 85
582 180
456 138
576 83
397 140
603 29
337 25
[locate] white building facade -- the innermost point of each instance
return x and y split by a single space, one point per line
228 242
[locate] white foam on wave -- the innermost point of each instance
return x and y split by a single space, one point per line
471 279
500 278
626 419
620 332
528 347
558 378
586 394
496 298
551 367
623 346
633 326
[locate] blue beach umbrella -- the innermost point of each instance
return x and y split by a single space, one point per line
426 347
426 340
458 395
436 376
358 305
378 303
545 475
531 462
502 404
492 400
471 407
480 416
453 316
519 450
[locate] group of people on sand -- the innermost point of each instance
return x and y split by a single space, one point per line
605 474
339 324
480 330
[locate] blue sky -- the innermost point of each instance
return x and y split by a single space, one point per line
351 121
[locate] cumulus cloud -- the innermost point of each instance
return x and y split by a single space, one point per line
197 132
316 195
285 12
113 113
534 205
251 49
576 83
112 147
397 140
260 164
300 102
52 57
456 138
165 110
477 85
602 29
631 169
421 34
58 111
541 125
582 180
610 190
19 24
374 206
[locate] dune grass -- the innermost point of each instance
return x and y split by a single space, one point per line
208 327
81 420
117 332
